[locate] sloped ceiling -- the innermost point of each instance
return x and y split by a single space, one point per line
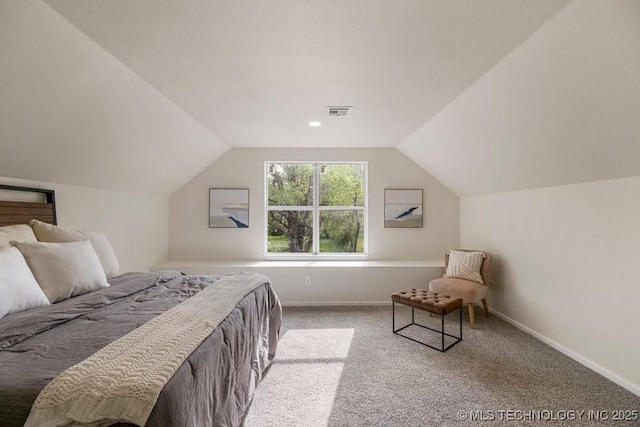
562 108
71 113
486 96
256 72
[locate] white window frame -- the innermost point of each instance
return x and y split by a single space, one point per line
316 209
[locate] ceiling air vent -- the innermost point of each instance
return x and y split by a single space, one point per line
339 111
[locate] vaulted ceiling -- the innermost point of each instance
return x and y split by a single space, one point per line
486 96
256 72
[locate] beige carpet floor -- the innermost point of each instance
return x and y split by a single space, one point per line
342 366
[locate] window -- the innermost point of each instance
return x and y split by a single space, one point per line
316 208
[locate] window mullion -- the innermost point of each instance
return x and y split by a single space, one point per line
316 212
290 208
341 208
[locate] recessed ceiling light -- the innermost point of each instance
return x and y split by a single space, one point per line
315 124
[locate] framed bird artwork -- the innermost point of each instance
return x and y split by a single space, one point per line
402 208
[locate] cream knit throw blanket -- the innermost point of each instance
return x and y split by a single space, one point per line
122 381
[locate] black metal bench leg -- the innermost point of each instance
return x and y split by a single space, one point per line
442 329
460 322
393 322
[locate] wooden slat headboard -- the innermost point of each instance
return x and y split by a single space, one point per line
12 212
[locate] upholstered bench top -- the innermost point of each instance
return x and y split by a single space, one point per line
426 300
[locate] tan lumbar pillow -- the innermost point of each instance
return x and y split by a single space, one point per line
64 270
19 233
53 234
465 265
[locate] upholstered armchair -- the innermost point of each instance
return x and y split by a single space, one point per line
471 291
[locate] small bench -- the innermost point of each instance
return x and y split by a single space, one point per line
432 302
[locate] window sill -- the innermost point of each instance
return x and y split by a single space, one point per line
327 257
188 265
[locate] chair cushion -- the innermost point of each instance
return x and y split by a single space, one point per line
468 290
465 265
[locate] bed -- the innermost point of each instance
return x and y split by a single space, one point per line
213 386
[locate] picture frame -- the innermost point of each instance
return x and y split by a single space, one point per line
228 208
403 208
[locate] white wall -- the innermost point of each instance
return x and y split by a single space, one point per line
567 267
191 238
331 282
135 224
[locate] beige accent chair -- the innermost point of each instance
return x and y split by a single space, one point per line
470 292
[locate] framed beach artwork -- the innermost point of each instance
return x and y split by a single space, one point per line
402 208
228 208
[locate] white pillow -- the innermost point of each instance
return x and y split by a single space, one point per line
64 270
19 290
20 233
465 265
52 233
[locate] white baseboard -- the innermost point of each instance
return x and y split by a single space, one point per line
575 356
334 303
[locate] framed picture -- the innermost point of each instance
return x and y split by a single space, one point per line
228 208
402 208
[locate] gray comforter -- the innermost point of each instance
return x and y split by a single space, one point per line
213 387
